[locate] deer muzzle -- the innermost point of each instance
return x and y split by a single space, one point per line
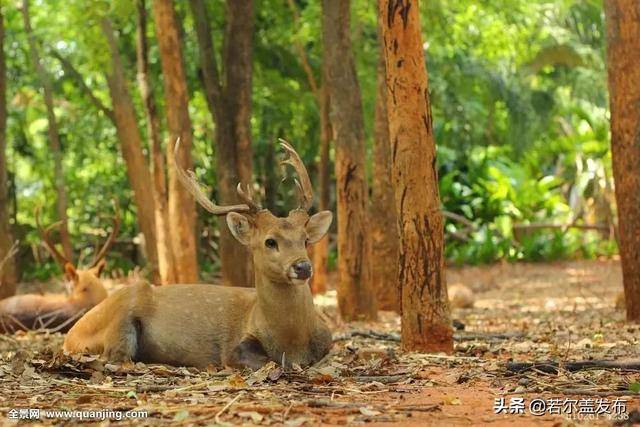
300 270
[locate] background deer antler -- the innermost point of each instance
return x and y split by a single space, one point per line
12 251
189 180
112 237
305 190
44 234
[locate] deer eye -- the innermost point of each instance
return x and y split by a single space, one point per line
306 242
271 244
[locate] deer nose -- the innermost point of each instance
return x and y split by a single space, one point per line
302 269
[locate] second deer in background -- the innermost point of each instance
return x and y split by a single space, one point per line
58 312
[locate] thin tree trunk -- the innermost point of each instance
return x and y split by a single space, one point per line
229 103
238 58
166 262
384 231
182 212
355 295
321 249
623 39
131 145
53 135
8 273
425 310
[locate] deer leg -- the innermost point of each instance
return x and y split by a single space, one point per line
121 341
249 353
320 344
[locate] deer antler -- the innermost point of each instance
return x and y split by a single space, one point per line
10 254
305 190
44 234
247 197
112 237
190 182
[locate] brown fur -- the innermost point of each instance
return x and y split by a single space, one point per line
198 325
54 311
461 296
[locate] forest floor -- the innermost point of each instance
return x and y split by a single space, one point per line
523 312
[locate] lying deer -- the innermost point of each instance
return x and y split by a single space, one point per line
58 312
198 325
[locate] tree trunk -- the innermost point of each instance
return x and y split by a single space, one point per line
623 45
425 310
53 135
355 296
131 145
182 212
238 58
321 249
166 262
8 273
384 231
229 103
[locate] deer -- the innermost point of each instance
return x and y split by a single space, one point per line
58 312
200 325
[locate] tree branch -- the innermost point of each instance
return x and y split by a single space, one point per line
12 251
208 62
75 74
554 367
304 59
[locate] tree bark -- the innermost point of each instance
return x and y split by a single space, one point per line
52 133
182 212
384 231
229 102
321 249
8 273
131 146
426 322
238 59
355 295
166 262
623 45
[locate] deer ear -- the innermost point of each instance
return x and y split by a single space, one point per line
97 270
70 272
240 227
318 225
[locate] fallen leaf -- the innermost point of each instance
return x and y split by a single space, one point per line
369 412
96 377
261 374
236 381
181 415
295 422
255 416
29 372
322 379
452 400
85 398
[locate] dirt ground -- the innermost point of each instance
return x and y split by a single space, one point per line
523 313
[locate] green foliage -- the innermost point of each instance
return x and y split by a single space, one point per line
518 91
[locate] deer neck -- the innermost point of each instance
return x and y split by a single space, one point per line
286 309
